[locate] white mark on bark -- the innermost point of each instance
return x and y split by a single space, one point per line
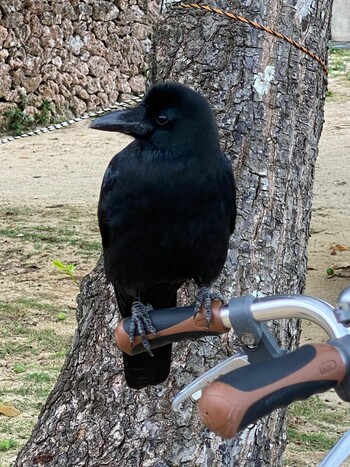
303 8
258 294
263 80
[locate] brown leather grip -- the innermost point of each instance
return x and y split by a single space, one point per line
172 325
241 397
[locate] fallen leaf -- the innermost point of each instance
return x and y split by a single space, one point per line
8 410
337 247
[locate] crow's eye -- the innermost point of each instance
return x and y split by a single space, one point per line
162 119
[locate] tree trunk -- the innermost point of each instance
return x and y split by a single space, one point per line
268 97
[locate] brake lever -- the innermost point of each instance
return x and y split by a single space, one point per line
194 389
257 341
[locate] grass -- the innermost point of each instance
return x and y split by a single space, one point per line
339 63
314 442
17 308
34 340
59 236
7 444
315 425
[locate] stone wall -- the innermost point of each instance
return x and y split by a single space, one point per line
78 55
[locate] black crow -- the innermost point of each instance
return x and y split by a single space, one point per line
166 211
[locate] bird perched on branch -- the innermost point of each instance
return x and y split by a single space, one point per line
166 211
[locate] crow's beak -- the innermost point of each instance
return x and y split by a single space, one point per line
131 122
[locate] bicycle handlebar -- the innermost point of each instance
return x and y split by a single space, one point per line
173 325
274 378
176 324
241 397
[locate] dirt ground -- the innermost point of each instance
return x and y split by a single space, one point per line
55 177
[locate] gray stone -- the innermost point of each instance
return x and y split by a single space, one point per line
74 44
81 92
49 90
11 6
3 34
84 11
31 65
4 53
35 26
4 107
140 31
67 27
92 85
68 11
98 66
104 11
57 61
15 62
341 20
6 81
49 72
49 19
12 20
33 47
52 36
17 77
31 84
77 106
94 46
137 84
11 40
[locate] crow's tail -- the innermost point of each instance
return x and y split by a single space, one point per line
143 370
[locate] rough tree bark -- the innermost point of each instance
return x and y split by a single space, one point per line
268 97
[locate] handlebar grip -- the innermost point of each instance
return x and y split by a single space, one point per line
242 396
172 325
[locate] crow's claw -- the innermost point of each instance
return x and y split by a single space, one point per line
141 323
204 296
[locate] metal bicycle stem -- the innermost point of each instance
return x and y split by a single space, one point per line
294 306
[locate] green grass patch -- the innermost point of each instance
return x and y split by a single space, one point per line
309 408
339 62
18 121
50 235
19 368
317 410
7 444
313 441
39 377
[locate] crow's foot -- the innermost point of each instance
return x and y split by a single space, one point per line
205 296
141 322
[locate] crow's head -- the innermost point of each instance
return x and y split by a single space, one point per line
171 115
